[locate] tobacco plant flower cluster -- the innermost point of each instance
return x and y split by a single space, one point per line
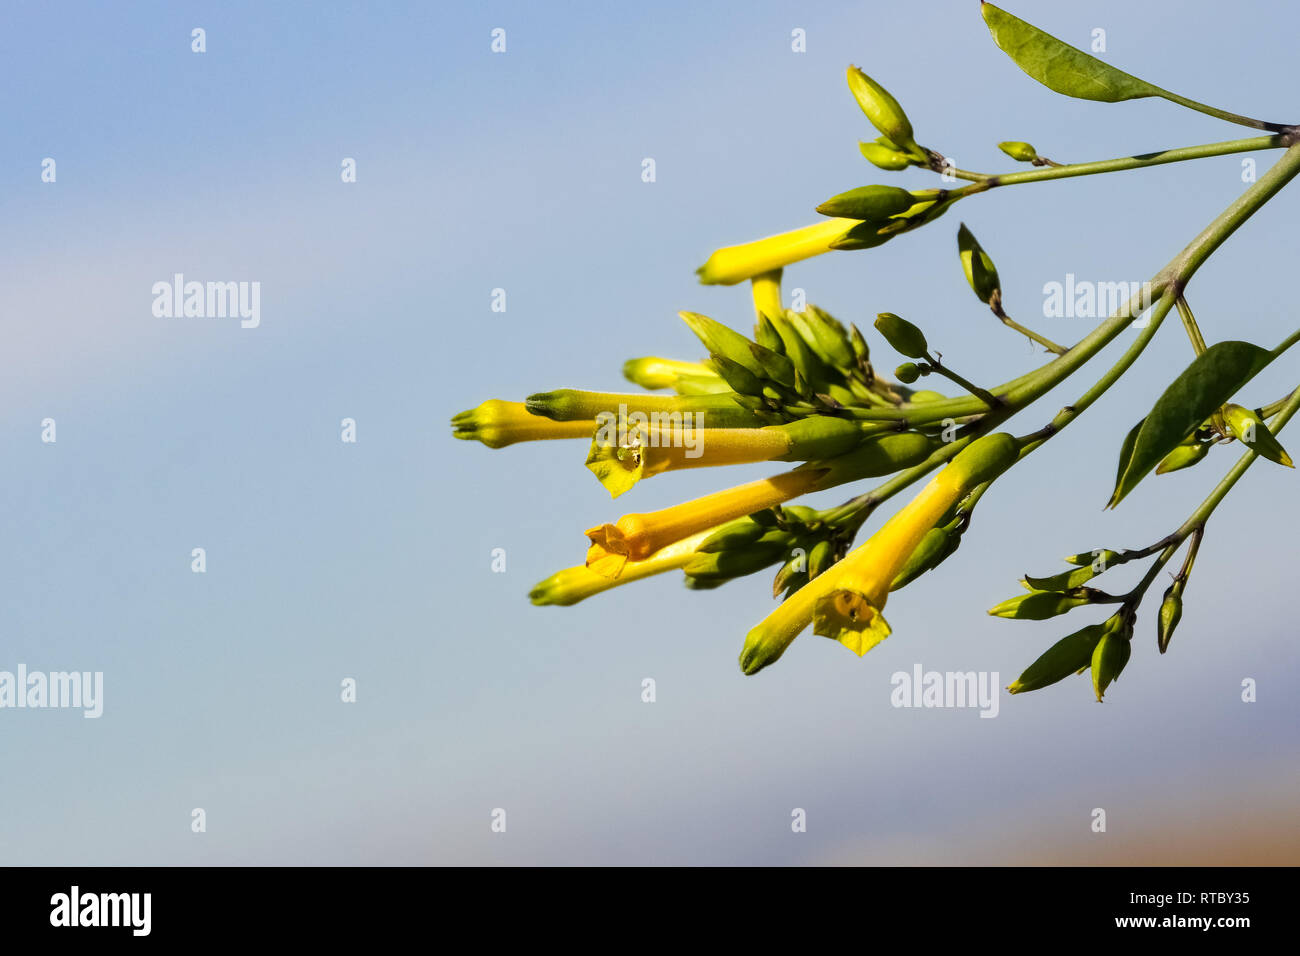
803 389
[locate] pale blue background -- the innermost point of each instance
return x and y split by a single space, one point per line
372 560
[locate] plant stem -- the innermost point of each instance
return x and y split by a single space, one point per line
982 394
1140 161
995 304
1224 114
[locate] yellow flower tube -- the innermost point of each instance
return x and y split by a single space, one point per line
579 583
846 600
733 264
496 424
620 461
635 537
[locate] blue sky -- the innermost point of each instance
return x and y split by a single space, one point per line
372 560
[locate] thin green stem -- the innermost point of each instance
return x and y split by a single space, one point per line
1119 164
982 394
995 304
1070 412
1223 114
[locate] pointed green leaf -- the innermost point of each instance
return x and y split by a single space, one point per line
1059 66
1063 581
1212 378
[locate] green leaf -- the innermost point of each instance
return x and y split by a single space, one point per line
1067 656
1059 66
1063 581
1212 378
1126 453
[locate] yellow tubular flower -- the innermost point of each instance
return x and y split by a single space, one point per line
733 264
845 601
496 424
766 290
620 467
635 537
850 613
654 372
576 584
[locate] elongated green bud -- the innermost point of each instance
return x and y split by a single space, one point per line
1067 656
884 157
975 262
734 534
1249 429
907 373
1066 579
1100 559
1021 152
923 558
925 395
821 557
883 111
826 335
571 404
1185 455
984 459
1108 659
741 379
1171 612
905 338
721 340
734 563
877 457
820 436
1037 606
874 204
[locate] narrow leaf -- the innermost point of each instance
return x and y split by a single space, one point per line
1059 66
1212 378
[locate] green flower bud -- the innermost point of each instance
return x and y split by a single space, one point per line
884 157
1066 580
882 110
975 262
876 457
1037 606
733 535
1185 455
1101 559
923 558
1249 429
1067 656
1021 152
861 351
984 459
741 379
821 557
1171 611
925 395
765 334
905 337
825 335
724 565
1108 659
907 373
721 340
875 204
820 436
